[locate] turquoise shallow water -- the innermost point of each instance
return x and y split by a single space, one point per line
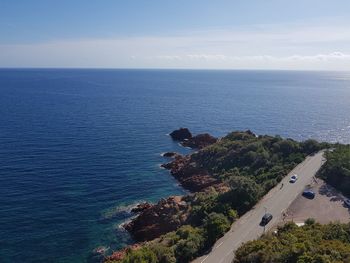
78 147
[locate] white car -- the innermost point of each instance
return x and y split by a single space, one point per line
293 178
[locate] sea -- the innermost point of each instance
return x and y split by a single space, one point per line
80 147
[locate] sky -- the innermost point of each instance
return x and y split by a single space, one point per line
185 34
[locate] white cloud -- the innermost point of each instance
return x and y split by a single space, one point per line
260 47
315 58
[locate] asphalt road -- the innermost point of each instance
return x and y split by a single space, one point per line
275 202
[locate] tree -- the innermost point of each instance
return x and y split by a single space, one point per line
164 253
310 146
336 171
191 242
215 226
243 195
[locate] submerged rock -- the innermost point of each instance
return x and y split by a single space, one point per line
181 134
100 250
166 165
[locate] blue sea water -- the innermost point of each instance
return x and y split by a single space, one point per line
79 147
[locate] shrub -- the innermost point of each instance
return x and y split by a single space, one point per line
243 195
310 221
215 226
142 255
336 171
190 244
312 243
164 253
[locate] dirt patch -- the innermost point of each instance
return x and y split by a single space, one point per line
327 206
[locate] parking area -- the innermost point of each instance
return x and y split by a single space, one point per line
327 206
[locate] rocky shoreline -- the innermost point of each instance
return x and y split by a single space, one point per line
153 220
170 213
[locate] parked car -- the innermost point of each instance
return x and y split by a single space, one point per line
293 178
265 219
309 194
347 202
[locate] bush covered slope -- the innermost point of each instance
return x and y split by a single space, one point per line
312 243
251 165
336 170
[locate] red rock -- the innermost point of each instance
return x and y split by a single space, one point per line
181 134
167 215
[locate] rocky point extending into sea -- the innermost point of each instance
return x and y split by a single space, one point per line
153 220
157 219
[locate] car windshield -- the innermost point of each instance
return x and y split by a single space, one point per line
266 216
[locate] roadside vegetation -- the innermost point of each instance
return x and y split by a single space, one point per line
311 243
336 170
249 166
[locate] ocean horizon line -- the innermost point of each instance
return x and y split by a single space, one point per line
173 69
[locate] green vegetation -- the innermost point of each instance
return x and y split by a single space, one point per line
336 170
252 165
182 245
312 243
216 225
262 158
143 255
249 166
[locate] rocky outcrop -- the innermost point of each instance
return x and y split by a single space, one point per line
167 215
187 140
181 134
170 154
199 141
178 162
141 207
191 177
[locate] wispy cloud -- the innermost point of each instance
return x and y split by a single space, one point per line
285 47
316 58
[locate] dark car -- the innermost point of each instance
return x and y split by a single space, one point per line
347 202
265 219
309 194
